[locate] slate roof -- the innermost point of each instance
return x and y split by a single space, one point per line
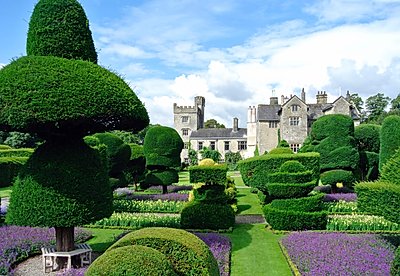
209 133
268 112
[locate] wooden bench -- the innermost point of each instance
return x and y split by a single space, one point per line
50 255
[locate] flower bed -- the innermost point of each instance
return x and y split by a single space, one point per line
149 206
335 253
125 193
17 243
359 222
341 206
340 196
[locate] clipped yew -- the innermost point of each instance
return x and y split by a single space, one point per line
390 139
62 95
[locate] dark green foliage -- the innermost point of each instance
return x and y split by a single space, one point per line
256 151
215 174
193 157
255 170
288 190
391 170
187 253
283 144
369 165
212 194
64 184
131 260
367 137
286 177
334 176
336 125
281 151
210 153
302 204
162 177
9 168
16 152
197 215
292 166
291 220
162 147
118 152
390 139
379 198
21 140
340 158
231 160
137 163
395 268
60 28
54 96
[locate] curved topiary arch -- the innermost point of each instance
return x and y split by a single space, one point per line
54 96
60 28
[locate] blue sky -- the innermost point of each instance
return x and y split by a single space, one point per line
233 52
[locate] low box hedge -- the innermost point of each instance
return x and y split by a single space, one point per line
288 190
287 177
25 152
9 168
303 204
215 174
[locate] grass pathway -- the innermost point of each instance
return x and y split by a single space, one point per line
255 250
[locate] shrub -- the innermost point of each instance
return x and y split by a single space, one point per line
391 170
379 198
162 177
187 253
283 144
207 162
137 163
281 150
303 204
286 177
232 158
291 220
395 268
369 165
390 139
9 168
214 194
338 125
367 137
215 174
4 147
197 215
16 152
340 158
53 23
292 166
144 206
131 260
334 176
255 170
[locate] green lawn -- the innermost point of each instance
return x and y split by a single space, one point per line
256 252
5 192
103 238
248 203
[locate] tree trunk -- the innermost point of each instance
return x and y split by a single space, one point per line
164 189
65 241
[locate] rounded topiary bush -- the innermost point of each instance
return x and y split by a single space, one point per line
207 162
292 166
337 176
60 28
199 215
210 194
165 177
131 260
367 137
62 185
281 151
54 96
337 125
186 252
390 139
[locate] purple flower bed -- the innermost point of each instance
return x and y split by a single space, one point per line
17 243
220 247
339 253
172 188
340 196
172 196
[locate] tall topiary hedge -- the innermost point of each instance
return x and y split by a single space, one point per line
60 28
62 95
162 148
391 170
368 137
9 168
390 139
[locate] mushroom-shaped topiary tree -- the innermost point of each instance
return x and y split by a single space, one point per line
162 149
59 93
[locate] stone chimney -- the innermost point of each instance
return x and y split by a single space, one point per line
303 95
235 124
273 101
322 98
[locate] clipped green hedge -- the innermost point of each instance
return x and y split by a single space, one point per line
84 98
158 177
5 147
61 184
198 215
255 170
162 147
60 28
369 165
334 176
303 204
291 220
391 170
212 194
281 150
131 260
379 198
289 190
186 252
337 125
390 139
367 137
9 168
286 177
16 152
395 267
292 166
340 158
331 143
215 174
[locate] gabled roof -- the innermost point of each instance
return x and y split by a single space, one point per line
209 133
268 112
291 98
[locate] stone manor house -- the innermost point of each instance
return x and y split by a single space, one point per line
291 119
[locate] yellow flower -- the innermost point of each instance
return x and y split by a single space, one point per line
339 185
